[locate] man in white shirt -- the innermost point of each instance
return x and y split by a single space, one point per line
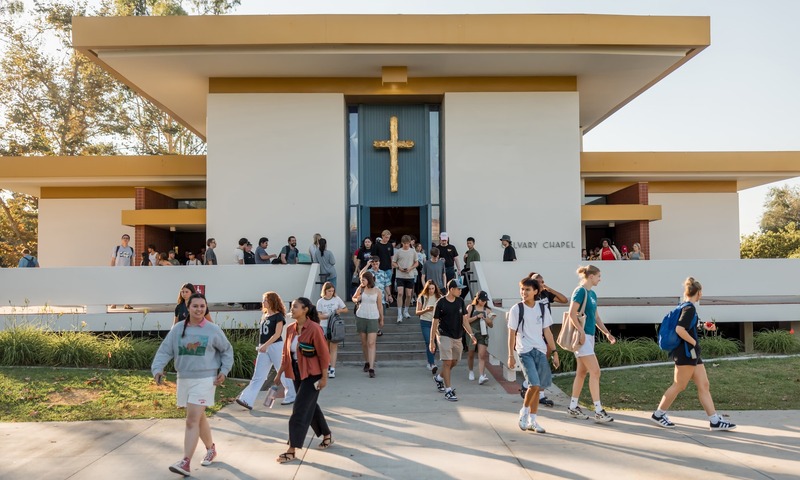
238 255
530 337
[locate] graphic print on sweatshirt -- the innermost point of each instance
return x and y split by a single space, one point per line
194 345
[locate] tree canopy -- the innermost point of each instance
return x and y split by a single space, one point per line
779 236
55 101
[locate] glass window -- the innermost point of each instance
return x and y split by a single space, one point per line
433 118
191 204
352 118
595 200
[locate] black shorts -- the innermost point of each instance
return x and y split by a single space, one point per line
681 359
405 283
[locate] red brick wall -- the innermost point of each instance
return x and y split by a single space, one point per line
631 232
636 194
145 235
149 199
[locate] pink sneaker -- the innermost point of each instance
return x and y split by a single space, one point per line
211 454
181 468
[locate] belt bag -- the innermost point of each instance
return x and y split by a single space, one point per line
307 349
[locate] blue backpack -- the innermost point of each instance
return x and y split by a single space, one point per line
668 338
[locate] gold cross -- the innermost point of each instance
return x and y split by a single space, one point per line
393 144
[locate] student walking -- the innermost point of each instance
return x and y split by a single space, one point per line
270 350
326 261
480 318
327 306
688 364
305 360
448 326
529 335
426 303
586 359
405 262
203 358
369 318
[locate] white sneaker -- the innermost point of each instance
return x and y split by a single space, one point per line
332 373
524 420
535 427
429 366
406 314
400 318
482 379
471 375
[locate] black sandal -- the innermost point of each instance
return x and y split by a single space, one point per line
286 457
327 441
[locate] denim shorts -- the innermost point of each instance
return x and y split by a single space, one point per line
536 368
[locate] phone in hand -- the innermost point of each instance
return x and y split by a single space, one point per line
316 385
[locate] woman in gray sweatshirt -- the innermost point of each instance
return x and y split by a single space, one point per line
326 261
203 358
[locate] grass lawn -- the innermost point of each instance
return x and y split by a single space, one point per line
41 394
759 384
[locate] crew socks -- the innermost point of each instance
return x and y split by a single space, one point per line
573 403
532 418
439 378
659 413
524 411
714 418
598 407
541 394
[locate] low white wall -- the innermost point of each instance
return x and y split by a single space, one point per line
276 167
81 232
512 166
695 225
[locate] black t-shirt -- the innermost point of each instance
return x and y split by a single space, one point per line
363 255
249 258
547 298
448 254
686 320
181 311
268 325
451 317
509 254
384 251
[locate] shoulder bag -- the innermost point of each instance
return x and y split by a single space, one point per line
569 338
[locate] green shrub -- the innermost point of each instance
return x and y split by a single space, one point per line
244 355
719 346
76 349
628 352
567 359
776 341
24 346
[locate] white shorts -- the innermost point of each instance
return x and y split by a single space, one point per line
587 348
197 391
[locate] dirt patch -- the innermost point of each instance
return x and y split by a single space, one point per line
73 396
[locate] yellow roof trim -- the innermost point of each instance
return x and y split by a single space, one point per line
165 217
13 168
620 213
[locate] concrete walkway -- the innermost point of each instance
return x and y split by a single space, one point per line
397 426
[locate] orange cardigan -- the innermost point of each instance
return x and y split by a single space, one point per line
312 334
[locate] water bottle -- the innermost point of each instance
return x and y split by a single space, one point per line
271 396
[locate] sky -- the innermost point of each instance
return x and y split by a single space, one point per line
739 94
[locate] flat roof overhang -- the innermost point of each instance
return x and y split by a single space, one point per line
739 170
173 60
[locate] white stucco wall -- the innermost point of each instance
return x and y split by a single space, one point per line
81 232
512 166
276 167
695 226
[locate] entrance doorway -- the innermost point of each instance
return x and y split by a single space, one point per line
398 220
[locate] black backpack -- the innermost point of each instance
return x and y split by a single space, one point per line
335 332
521 308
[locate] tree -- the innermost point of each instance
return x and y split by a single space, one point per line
784 243
781 207
18 226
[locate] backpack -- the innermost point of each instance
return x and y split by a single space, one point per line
335 332
668 338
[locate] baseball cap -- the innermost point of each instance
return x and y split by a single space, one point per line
444 236
453 284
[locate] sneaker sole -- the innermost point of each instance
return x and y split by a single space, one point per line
578 416
537 430
207 463
603 420
717 429
179 471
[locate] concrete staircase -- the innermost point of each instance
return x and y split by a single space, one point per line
401 343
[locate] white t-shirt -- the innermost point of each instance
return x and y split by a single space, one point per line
530 336
238 256
328 307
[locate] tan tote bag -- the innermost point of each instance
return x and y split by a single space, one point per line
569 338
